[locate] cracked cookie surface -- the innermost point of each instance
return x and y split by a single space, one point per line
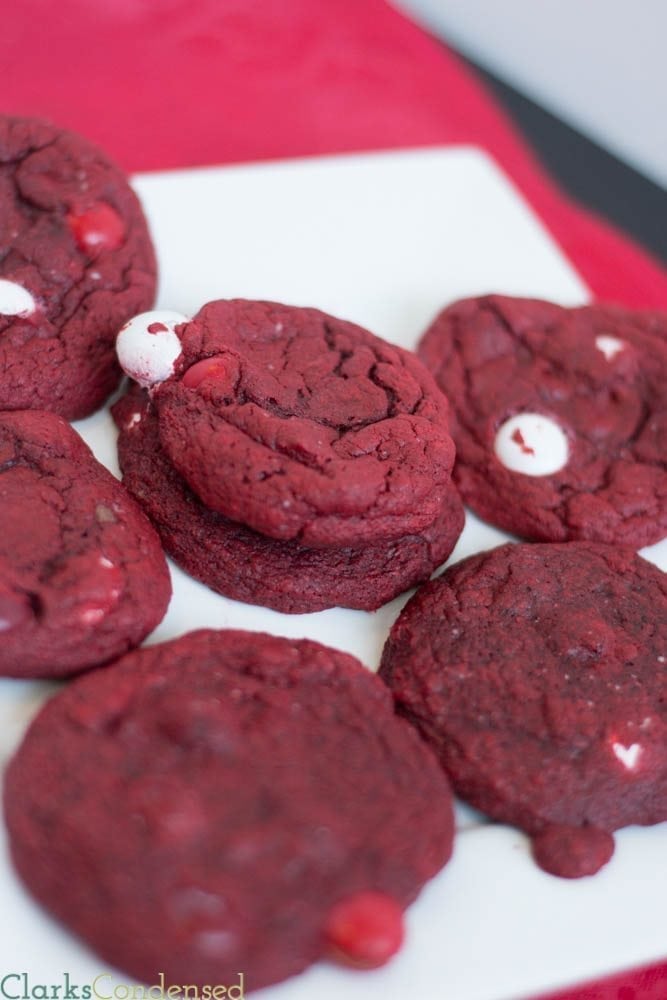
224 790
247 566
538 674
76 261
305 427
596 379
82 575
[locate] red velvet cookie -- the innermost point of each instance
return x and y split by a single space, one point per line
559 416
247 566
538 674
227 802
301 426
82 575
76 263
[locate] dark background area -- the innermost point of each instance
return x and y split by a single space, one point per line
587 172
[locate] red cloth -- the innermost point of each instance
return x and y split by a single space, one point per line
176 83
646 984
169 83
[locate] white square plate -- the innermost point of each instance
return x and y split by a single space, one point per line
385 240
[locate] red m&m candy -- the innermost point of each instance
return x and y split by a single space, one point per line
98 228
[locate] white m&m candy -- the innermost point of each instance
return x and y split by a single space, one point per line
609 346
15 300
148 346
533 444
628 756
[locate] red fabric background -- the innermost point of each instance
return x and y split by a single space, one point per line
167 83
646 984
175 83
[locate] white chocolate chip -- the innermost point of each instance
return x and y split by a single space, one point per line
533 444
146 355
609 346
132 421
628 756
91 616
15 300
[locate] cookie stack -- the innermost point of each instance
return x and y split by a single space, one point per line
287 458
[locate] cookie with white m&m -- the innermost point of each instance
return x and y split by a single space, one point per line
76 261
301 426
538 674
228 802
559 416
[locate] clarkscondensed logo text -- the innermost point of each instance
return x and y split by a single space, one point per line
20 986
